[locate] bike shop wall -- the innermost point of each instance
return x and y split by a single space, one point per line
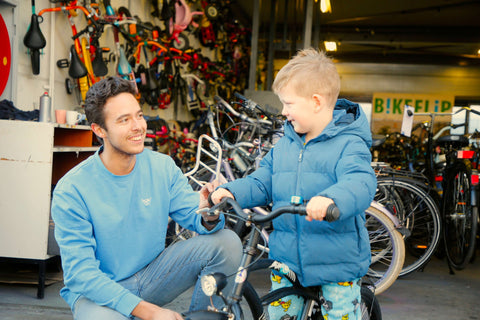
25 89
359 80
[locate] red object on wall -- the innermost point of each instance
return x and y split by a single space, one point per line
5 55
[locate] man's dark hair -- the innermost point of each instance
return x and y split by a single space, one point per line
100 92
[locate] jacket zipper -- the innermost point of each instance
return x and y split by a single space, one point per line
300 158
297 193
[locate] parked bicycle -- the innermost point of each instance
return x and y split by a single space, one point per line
460 201
213 284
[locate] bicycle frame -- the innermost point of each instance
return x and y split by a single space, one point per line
214 283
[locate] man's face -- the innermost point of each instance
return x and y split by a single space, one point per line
297 109
125 126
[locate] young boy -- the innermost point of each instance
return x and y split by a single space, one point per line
324 157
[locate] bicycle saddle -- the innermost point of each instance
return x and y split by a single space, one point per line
34 38
455 141
99 66
77 69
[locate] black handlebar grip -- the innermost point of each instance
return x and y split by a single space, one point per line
210 201
332 213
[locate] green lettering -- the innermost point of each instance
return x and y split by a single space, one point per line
418 105
396 108
446 105
426 105
397 104
378 105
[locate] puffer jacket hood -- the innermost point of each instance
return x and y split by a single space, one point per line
348 118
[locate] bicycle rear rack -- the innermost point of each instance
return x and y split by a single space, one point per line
210 151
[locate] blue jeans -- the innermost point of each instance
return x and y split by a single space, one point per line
175 270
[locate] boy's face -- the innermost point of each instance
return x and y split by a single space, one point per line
297 109
125 126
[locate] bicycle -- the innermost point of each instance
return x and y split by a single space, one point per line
213 284
413 202
460 202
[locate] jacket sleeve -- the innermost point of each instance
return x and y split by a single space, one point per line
81 270
255 189
356 180
184 204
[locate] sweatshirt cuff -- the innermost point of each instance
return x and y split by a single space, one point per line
128 303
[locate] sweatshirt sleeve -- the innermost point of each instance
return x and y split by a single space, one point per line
184 204
81 270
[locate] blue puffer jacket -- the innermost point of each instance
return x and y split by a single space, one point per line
336 164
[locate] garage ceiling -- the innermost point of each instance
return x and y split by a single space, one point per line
445 32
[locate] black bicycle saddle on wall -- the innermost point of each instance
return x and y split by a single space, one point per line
77 68
34 40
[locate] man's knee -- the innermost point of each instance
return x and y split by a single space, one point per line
229 240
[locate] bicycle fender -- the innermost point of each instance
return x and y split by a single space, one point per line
381 208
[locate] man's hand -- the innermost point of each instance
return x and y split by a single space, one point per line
219 194
149 311
317 208
216 197
205 191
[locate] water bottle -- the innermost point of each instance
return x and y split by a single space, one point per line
45 108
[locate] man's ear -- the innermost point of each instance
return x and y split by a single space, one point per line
99 131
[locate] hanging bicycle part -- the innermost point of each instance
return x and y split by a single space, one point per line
34 40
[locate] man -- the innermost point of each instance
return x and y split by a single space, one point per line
111 215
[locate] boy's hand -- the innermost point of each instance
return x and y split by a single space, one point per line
219 194
317 208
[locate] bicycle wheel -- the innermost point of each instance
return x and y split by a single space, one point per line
388 250
370 306
460 224
418 214
253 301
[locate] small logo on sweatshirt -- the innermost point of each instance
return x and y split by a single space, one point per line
146 202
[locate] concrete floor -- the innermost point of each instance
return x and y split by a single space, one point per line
431 294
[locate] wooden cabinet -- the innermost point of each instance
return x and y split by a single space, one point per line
33 157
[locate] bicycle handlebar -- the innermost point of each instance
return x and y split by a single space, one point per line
240 115
252 105
332 211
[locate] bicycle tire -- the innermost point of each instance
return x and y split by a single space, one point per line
370 304
419 215
460 217
388 250
253 301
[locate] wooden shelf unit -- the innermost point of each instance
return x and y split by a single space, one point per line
33 157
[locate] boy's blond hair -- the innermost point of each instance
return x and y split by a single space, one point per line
310 72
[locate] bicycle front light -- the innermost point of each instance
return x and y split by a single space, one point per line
213 283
